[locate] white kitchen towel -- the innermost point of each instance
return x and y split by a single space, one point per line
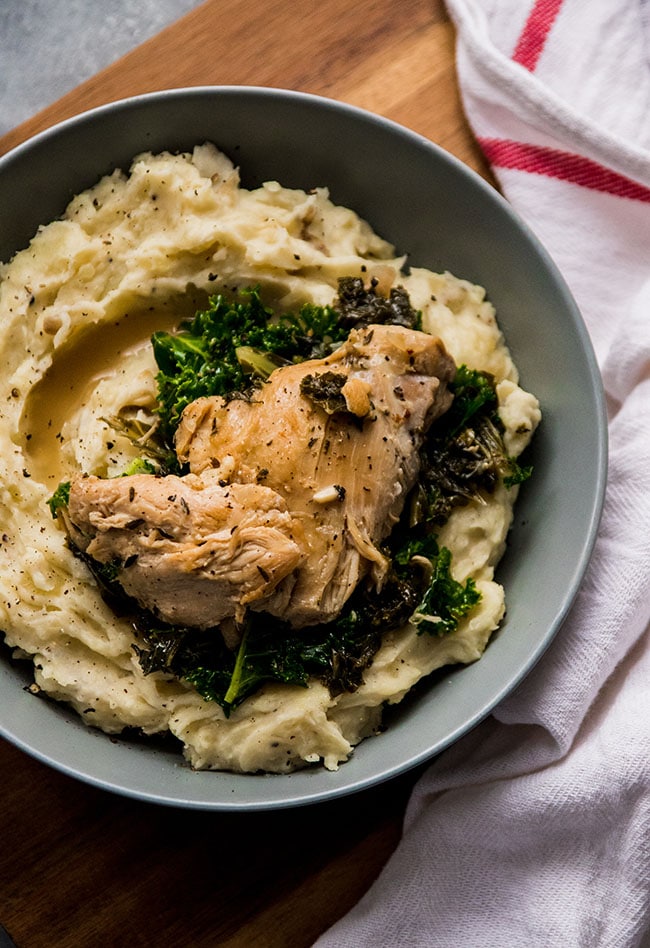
534 829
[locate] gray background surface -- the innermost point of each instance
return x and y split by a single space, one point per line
47 47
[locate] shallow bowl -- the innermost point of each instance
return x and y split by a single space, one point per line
445 217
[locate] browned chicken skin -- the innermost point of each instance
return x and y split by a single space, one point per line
291 493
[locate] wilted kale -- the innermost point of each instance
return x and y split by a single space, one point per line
60 498
233 343
359 305
464 455
270 650
446 601
442 601
420 587
157 456
325 389
225 347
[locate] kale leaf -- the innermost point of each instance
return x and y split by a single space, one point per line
226 347
443 601
60 498
270 650
446 600
359 305
325 389
464 455
335 653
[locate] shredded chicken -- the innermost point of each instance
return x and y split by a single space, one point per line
192 550
290 496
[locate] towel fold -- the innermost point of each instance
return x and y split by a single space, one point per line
534 829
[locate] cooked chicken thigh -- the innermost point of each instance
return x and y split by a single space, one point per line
344 467
191 550
291 492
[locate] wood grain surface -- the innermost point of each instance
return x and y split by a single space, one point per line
82 867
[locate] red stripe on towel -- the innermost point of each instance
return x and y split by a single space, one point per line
563 165
533 36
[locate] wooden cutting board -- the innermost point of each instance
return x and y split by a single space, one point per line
81 867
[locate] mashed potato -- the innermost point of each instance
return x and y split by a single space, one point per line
140 252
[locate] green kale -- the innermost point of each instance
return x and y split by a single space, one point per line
515 473
196 655
446 601
225 348
464 455
157 456
325 389
106 576
269 651
426 567
474 395
360 306
229 347
60 498
140 466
